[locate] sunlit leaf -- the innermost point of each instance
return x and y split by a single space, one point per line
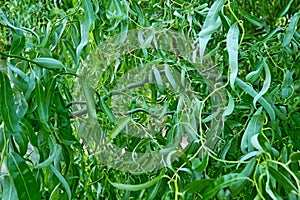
232 43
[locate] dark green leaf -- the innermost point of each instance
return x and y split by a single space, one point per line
10 118
24 181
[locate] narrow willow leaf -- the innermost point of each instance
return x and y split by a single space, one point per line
62 180
24 181
253 127
212 22
287 7
31 85
4 19
136 187
211 116
170 77
270 34
198 185
21 142
266 84
157 76
249 90
288 84
225 22
59 32
256 143
10 118
20 84
90 101
252 19
71 49
232 43
49 63
107 111
9 190
89 13
222 182
55 194
142 19
282 179
84 34
253 76
85 24
44 96
119 127
291 29
153 192
199 166
249 155
230 107
53 153
18 43
247 171
268 188
28 130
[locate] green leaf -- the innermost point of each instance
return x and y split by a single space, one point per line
4 20
252 19
49 63
211 24
10 118
84 34
90 101
249 90
282 179
230 107
171 78
62 180
158 77
199 166
107 111
232 43
268 187
28 130
253 127
240 185
18 43
55 194
198 186
288 84
24 181
136 187
119 127
222 182
9 190
54 149
287 7
290 30
44 97
253 76
266 85
295 157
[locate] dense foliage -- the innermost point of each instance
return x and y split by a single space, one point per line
255 48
